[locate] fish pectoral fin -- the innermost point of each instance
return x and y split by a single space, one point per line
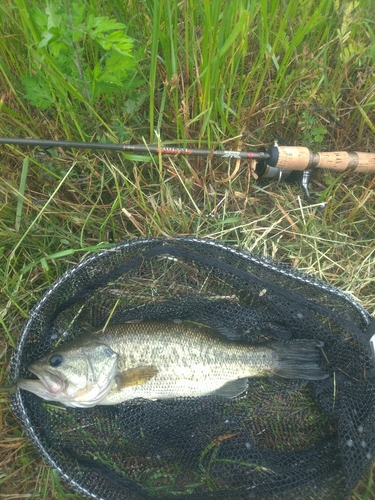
135 376
231 389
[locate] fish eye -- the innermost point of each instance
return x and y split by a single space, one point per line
55 360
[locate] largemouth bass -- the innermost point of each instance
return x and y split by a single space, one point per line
161 360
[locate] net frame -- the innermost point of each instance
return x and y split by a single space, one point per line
280 282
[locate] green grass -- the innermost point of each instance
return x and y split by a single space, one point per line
222 74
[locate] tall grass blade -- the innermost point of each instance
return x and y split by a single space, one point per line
21 193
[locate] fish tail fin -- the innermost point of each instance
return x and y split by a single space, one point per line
299 360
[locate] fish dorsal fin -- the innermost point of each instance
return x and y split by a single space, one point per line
232 389
135 376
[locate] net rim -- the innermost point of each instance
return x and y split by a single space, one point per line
17 403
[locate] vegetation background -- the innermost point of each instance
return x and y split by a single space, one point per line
216 74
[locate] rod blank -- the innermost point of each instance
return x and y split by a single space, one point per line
136 148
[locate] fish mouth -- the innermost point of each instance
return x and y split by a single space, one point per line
50 381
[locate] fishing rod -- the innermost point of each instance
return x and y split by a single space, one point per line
280 157
279 161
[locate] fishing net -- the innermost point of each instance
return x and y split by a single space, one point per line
282 439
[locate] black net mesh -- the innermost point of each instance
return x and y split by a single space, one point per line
284 439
